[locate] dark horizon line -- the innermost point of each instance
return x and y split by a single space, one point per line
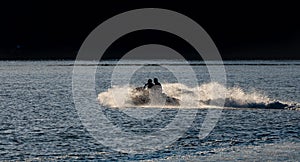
226 59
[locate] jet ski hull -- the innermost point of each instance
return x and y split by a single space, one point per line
141 96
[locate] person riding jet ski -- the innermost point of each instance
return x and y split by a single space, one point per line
157 86
152 94
149 84
156 82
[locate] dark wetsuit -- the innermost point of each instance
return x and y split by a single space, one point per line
157 83
157 86
148 85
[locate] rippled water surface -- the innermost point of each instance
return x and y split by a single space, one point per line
39 121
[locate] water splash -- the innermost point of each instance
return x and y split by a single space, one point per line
203 96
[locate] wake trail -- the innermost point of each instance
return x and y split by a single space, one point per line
204 96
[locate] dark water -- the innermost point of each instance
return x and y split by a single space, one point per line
40 122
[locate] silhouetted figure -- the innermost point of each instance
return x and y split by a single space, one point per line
157 88
156 82
149 84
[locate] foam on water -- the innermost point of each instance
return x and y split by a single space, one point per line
204 96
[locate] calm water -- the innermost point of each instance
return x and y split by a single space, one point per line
39 120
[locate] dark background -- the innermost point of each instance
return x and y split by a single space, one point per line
241 30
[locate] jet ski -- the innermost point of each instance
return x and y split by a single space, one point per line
152 96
